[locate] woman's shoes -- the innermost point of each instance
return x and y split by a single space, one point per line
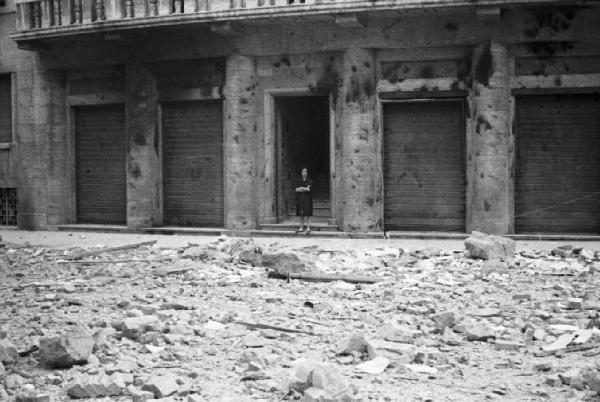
300 230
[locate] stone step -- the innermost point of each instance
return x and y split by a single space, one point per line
292 226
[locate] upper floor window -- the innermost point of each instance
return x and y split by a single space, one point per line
6 123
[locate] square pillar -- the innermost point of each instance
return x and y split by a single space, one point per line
43 142
241 142
143 167
490 143
361 181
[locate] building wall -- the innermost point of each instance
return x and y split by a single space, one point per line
412 55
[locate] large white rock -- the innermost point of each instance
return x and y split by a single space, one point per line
490 247
66 350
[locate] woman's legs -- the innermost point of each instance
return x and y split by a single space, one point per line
301 228
308 223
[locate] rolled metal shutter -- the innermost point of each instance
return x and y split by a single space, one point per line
193 163
424 165
557 184
100 164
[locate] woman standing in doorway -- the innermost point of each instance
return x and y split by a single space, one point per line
304 204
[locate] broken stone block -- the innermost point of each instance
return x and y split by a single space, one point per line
568 375
451 338
522 296
32 396
591 378
97 386
8 352
545 366
561 343
327 377
161 386
133 327
374 366
479 332
490 247
66 350
420 368
539 334
575 303
565 251
299 379
430 357
445 319
140 396
284 262
399 353
314 394
309 373
501 344
398 333
494 266
553 380
353 343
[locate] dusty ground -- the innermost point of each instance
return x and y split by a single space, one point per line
206 351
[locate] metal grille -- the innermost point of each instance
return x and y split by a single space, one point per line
8 206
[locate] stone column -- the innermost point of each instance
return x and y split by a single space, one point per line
360 136
241 142
144 189
490 190
45 191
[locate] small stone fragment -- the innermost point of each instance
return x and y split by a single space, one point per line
374 366
421 368
501 344
161 386
400 353
575 303
445 319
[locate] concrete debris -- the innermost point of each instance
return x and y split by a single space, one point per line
66 350
490 247
96 386
285 262
8 352
375 366
161 386
400 353
355 343
205 322
134 327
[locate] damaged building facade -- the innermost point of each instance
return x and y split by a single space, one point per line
411 115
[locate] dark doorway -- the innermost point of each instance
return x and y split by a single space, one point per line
303 127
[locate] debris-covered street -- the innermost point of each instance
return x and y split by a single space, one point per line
225 319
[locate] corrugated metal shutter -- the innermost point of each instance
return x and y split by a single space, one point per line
100 164
557 186
424 166
193 163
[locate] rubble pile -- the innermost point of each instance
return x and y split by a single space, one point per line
208 323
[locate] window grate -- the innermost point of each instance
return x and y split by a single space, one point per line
8 206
